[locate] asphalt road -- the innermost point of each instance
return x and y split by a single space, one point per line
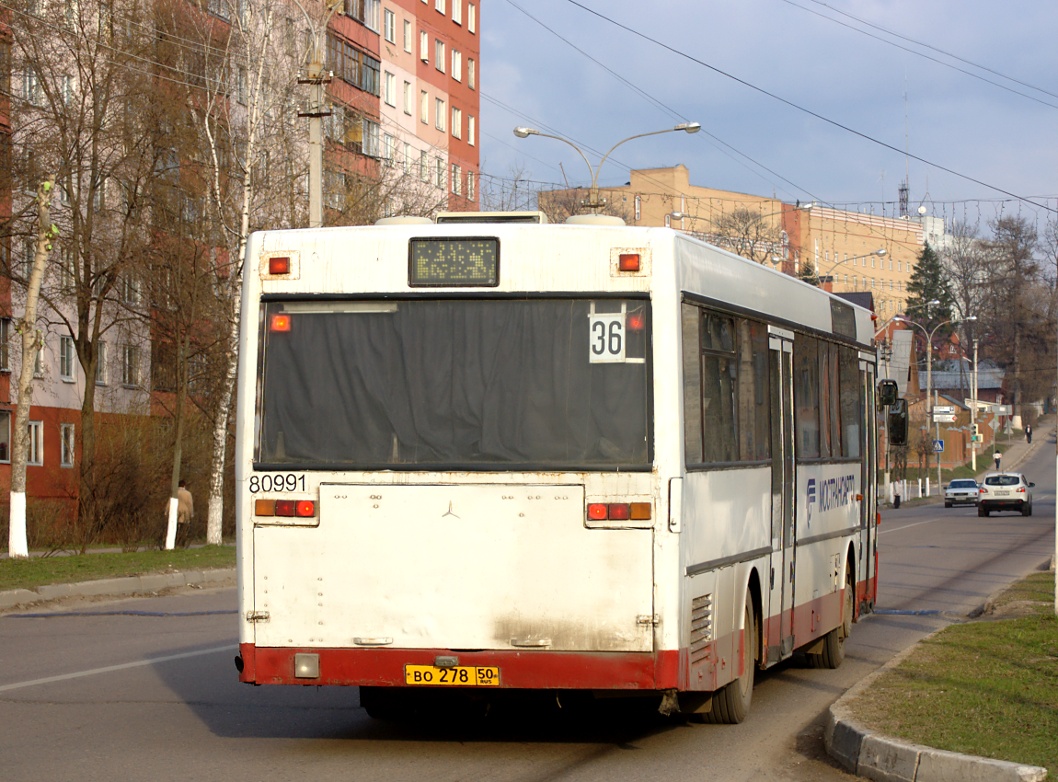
146 689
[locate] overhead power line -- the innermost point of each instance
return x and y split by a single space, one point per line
804 110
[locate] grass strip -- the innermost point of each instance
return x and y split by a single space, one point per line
987 687
32 572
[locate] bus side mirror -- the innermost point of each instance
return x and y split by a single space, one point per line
887 392
897 420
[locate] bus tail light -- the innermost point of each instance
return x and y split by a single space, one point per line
280 321
303 509
279 264
628 262
619 511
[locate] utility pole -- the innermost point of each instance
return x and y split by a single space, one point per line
316 111
317 79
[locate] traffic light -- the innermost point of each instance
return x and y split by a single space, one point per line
976 432
887 392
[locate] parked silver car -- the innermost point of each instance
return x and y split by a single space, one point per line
961 491
1005 491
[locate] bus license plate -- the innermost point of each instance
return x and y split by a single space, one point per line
457 676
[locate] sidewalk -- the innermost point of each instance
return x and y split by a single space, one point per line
869 754
131 586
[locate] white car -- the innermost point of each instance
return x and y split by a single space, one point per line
961 491
1005 491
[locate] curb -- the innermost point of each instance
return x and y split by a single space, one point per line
870 754
116 587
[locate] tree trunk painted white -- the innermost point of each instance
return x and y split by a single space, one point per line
170 529
17 535
257 53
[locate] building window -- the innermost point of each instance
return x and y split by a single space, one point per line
457 65
66 440
439 114
407 158
638 208
36 443
66 358
472 17
389 26
424 46
389 93
5 435
424 166
130 371
439 5
407 98
471 185
5 344
439 55
101 364
424 107
471 74
407 35
457 11
472 127
456 179
440 173
457 122
130 291
31 90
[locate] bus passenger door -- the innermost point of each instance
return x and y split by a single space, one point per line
868 565
783 529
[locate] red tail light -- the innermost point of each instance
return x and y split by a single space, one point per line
280 322
290 508
628 262
279 264
619 511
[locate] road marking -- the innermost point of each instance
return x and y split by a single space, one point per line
887 528
112 668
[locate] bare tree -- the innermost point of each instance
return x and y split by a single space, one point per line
259 135
85 93
1012 318
27 327
745 232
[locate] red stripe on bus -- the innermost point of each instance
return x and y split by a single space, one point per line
518 670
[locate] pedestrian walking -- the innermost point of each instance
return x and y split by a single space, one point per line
185 511
1028 433
999 458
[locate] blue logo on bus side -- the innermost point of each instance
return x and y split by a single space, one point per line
830 494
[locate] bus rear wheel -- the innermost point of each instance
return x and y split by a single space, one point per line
731 704
832 652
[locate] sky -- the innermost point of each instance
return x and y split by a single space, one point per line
825 101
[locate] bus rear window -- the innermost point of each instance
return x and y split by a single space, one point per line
459 384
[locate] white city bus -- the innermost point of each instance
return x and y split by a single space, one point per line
482 457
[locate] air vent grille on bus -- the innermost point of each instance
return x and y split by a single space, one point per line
701 627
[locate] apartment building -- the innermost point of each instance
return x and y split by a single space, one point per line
404 106
844 251
400 135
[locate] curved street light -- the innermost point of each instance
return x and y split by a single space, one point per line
593 204
929 366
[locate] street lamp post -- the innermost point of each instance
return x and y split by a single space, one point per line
929 371
593 198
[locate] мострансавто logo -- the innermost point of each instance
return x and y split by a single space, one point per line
830 493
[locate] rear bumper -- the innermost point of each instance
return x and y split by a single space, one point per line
1001 504
518 670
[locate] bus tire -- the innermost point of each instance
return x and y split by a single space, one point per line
731 704
832 651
